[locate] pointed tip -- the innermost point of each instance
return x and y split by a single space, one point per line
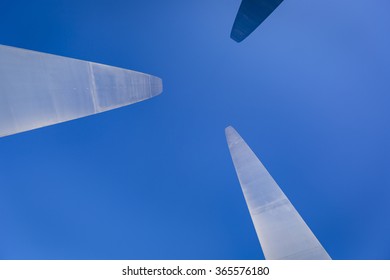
236 38
156 85
229 130
232 136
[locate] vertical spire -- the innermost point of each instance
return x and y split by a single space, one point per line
281 231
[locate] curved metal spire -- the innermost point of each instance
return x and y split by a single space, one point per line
282 232
38 89
250 15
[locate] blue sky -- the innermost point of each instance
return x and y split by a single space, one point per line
308 91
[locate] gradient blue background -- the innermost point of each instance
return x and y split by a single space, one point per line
309 91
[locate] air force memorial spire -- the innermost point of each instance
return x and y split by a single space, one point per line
282 232
38 89
250 15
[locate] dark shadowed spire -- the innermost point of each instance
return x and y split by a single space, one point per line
250 15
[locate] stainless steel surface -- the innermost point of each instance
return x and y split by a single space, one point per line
38 89
282 232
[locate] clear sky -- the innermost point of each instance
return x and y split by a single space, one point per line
309 91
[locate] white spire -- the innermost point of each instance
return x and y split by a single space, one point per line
38 89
